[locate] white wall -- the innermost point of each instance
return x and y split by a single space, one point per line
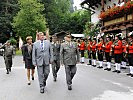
94 17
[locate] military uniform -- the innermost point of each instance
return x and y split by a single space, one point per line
82 49
100 54
56 59
89 52
93 49
8 53
130 56
118 55
107 49
69 57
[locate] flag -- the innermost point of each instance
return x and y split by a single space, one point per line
37 36
20 43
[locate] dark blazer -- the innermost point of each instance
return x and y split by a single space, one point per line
25 53
56 51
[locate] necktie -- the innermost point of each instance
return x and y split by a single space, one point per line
42 45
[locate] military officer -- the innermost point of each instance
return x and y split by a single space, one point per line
69 57
8 54
56 56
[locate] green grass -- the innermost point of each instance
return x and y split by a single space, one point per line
18 52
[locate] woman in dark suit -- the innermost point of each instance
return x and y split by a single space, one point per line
27 58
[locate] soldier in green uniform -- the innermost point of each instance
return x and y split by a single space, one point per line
8 54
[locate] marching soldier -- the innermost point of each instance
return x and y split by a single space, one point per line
107 48
56 56
100 52
82 49
129 47
8 54
93 48
117 47
69 57
89 51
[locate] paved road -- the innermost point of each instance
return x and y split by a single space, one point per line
89 84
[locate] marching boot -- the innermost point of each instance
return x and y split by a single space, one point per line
90 62
7 71
69 87
119 68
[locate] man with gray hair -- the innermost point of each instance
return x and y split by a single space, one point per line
42 56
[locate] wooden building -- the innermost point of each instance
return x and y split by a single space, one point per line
116 16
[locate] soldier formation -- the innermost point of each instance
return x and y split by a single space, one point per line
108 49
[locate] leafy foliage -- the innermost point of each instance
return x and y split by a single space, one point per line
29 18
56 13
8 9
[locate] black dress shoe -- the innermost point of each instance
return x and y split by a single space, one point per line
98 67
123 68
42 90
106 69
55 79
94 65
129 74
118 71
114 71
69 87
101 67
7 72
132 75
32 78
109 69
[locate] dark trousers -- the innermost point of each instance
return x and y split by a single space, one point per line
70 72
124 57
89 54
43 72
55 67
82 53
100 55
107 56
130 59
94 55
118 58
8 62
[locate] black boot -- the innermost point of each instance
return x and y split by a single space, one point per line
7 71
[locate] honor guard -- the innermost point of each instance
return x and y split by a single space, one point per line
124 53
82 49
100 52
89 51
129 47
107 48
117 47
93 49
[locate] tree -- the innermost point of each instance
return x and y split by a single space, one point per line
8 9
78 21
56 12
29 18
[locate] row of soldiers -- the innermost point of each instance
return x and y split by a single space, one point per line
119 49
